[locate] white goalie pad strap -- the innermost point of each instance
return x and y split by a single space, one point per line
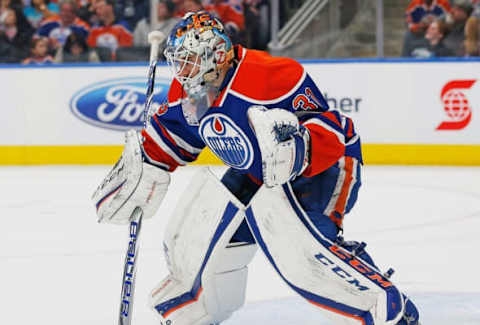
189 312
316 268
206 274
130 184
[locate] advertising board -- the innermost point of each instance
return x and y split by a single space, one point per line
406 112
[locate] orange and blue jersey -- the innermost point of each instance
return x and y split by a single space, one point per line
260 79
35 17
113 36
321 196
418 10
52 27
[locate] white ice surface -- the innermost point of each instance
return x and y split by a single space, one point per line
58 266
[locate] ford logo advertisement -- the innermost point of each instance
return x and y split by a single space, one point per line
117 104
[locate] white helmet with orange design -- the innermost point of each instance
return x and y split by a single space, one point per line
198 49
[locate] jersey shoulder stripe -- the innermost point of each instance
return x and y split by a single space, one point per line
322 119
48 25
182 156
79 23
155 155
175 124
159 146
52 19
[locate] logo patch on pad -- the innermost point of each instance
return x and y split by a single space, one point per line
227 141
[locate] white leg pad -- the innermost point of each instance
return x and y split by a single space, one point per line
188 314
315 267
207 275
225 288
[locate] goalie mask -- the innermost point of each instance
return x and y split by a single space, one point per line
198 49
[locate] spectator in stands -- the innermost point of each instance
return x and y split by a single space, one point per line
14 39
433 42
83 10
419 15
166 22
12 4
86 11
179 10
231 14
257 24
132 10
192 5
110 33
39 10
17 5
39 52
472 32
83 3
76 49
57 28
455 39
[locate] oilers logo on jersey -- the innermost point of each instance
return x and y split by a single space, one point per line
227 141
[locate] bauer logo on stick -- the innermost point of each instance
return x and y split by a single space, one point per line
116 104
227 141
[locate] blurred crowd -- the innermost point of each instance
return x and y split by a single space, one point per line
56 31
442 28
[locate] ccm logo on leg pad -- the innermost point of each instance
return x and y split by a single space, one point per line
340 272
356 264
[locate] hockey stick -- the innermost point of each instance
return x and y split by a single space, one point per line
155 38
129 269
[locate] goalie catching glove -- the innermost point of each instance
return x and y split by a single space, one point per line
130 184
284 144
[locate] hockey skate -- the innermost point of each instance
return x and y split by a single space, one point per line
410 316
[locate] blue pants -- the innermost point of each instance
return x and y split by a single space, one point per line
326 197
